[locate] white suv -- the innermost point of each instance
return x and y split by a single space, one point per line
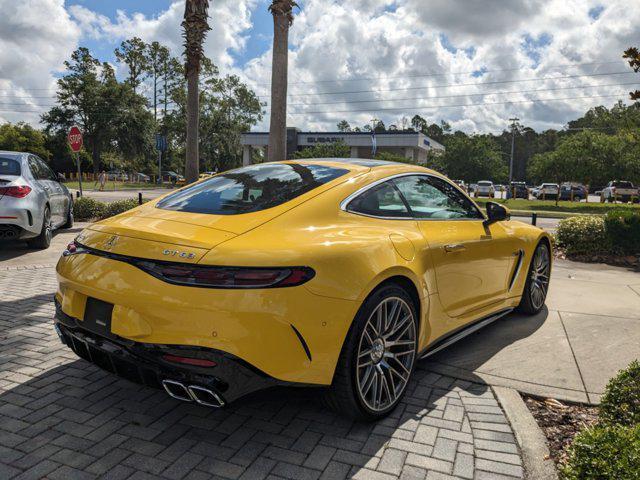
485 188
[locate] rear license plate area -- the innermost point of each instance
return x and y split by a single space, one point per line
97 316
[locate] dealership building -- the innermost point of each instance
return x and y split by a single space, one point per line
414 146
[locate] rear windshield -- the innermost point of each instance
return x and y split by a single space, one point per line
623 184
485 184
251 189
9 167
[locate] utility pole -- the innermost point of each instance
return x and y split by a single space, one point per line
514 127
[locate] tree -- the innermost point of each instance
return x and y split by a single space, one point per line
633 56
418 123
282 11
325 150
228 108
133 53
158 62
343 126
473 158
22 137
110 114
195 30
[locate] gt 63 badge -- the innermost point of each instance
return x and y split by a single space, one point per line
177 253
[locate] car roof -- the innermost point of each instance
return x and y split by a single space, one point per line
13 155
361 165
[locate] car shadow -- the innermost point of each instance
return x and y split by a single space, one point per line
468 355
12 249
78 404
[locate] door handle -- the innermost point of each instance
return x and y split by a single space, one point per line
454 247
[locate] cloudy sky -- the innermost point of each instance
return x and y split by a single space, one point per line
472 63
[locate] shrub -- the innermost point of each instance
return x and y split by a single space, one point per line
583 235
623 229
620 403
604 452
118 207
86 208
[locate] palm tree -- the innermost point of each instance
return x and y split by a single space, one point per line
282 11
195 30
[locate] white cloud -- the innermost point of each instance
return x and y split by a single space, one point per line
396 49
229 19
35 38
515 40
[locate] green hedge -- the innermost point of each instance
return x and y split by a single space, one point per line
583 235
604 452
610 449
618 233
115 208
621 402
623 227
86 208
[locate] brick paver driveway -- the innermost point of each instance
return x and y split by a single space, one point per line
63 418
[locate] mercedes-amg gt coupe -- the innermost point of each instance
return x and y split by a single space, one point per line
334 273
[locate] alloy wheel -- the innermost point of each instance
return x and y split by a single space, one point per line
47 225
386 354
540 277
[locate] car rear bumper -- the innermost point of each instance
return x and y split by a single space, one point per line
290 334
148 364
17 223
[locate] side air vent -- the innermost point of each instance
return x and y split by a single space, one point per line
302 342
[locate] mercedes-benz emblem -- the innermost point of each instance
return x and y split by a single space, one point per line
111 242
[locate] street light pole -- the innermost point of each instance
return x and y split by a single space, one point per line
513 146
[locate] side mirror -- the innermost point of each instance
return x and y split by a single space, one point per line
60 177
496 213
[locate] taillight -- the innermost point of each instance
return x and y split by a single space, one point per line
227 277
16 191
196 362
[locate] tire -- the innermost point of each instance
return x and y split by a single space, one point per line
577 198
43 240
69 223
375 370
537 285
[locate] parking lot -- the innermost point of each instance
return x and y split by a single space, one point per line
61 417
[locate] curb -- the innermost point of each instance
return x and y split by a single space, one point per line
535 452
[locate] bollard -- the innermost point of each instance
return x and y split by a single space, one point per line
534 218
139 198
77 194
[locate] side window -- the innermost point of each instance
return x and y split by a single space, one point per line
432 197
46 171
380 201
36 169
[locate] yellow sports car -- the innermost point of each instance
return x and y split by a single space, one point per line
333 273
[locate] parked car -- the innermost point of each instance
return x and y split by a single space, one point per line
619 190
140 177
204 175
518 190
117 175
224 289
461 184
33 201
171 176
575 192
546 191
485 188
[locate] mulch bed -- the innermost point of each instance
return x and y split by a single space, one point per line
629 261
560 423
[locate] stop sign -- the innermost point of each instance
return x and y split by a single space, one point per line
75 139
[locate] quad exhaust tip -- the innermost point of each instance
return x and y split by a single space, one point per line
193 393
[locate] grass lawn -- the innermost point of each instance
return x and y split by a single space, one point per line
111 185
564 208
